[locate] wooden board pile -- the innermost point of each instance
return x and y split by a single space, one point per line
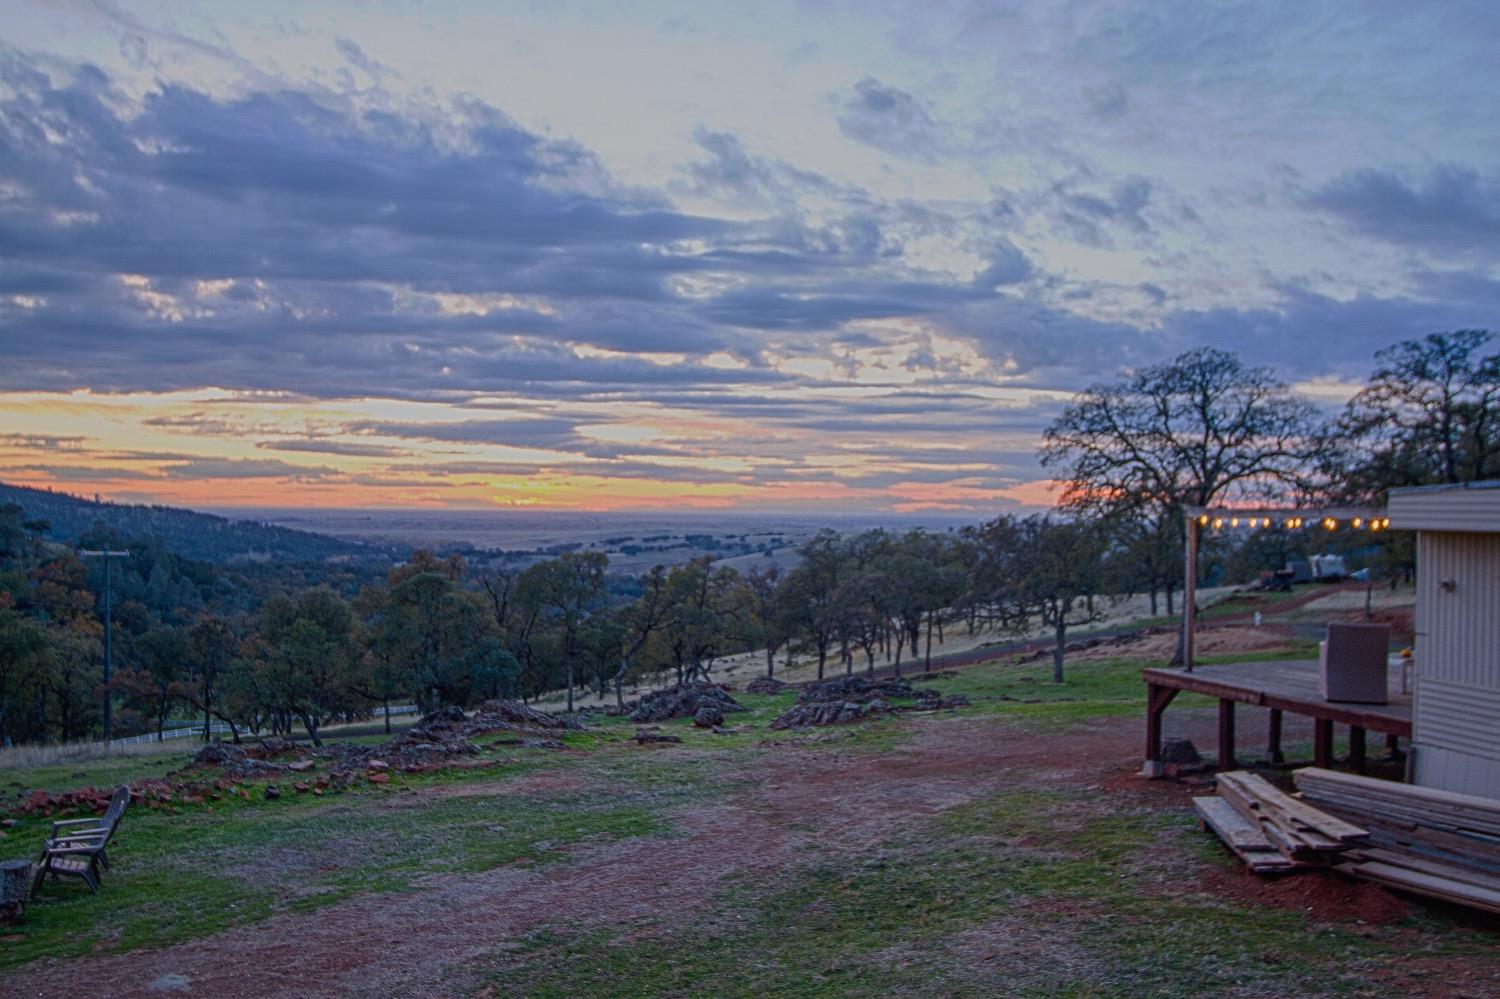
1423 840
1271 831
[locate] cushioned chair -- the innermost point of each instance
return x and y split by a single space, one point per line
1355 658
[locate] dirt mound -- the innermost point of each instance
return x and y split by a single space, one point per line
275 746
1324 896
1402 621
765 685
682 702
235 761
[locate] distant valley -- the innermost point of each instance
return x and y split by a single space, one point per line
634 542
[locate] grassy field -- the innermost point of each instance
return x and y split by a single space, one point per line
916 855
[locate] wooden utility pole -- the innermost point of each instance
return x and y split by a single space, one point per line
107 555
1189 589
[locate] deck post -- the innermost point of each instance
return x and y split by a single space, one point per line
1323 742
1357 748
1273 739
1189 590
1157 699
1226 734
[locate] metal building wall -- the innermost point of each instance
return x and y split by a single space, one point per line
1456 733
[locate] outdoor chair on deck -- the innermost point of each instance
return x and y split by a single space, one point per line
79 847
1354 660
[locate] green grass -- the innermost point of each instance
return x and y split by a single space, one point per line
212 866
967 904
103 772
1041 890
1027 694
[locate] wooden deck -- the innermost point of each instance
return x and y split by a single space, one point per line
1285 685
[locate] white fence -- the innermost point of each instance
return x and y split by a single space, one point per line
220 728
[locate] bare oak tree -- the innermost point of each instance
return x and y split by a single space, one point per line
1197 430
1430 414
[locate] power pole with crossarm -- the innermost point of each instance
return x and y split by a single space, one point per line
107 555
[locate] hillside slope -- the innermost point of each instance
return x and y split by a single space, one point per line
201 536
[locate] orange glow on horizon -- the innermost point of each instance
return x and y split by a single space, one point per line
211 448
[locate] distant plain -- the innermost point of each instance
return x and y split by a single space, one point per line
634 541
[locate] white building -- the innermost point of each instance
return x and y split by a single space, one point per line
1456 715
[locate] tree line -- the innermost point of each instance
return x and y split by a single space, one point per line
269 654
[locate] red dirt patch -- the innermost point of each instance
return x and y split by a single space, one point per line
1325 897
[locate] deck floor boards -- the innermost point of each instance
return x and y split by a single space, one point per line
1291 685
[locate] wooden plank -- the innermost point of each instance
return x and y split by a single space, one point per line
1313 818
1470 813
1243 838
1427 865
1376 785
1445 889
1252 804
1233 828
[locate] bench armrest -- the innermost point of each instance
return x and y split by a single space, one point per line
74 822
83 837
92 848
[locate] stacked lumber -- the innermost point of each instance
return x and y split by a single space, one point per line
1427 841
1271 831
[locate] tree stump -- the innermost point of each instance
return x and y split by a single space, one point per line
15 882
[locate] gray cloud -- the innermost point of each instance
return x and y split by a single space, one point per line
1450 209
350 449
1089 217
895 122
244 468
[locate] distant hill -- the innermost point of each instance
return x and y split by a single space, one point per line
201 536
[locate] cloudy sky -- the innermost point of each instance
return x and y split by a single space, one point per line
782 256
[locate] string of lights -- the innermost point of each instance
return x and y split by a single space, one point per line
1218 520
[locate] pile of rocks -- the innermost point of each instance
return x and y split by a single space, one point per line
941 703
709 701
860 689
854 698
506 713
643 736
159 792
833 712
766 685
248 762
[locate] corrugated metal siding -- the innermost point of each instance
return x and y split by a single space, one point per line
1456 722
1454 771
1457 509
1457 716
1458 629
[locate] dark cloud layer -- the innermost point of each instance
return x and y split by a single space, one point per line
1450 209
280 241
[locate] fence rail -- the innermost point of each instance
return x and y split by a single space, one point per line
221 728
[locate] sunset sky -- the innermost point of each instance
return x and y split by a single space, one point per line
814 256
